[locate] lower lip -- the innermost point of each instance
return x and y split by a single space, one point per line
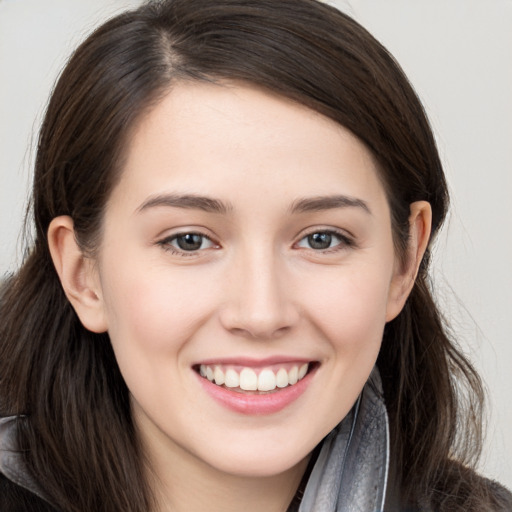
255 404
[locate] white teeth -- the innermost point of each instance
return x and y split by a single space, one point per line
282 378
266 380
218 375
293 375
248 380
232 379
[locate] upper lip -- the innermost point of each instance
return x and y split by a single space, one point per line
254 362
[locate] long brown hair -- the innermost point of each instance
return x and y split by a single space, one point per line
76 427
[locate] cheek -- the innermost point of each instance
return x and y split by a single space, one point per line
135 308
153 311
348 317
151 318
351 310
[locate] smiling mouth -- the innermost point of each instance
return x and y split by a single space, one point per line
244 379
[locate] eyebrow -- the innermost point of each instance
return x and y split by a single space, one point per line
319 203
211 205
187 201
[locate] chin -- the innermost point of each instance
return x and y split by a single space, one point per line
257 461
264 467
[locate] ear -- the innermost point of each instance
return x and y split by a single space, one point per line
420 223
78 274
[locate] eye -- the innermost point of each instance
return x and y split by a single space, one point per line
187 242
323 240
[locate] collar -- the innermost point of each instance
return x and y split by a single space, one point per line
12 464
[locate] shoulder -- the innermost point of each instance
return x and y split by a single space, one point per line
462 489
15 481
14 498
502 496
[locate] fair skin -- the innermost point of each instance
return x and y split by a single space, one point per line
285 262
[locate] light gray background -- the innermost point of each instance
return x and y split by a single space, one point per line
458 55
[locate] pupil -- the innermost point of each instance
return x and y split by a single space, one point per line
190 242
320 240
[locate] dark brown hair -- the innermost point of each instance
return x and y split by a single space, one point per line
77 430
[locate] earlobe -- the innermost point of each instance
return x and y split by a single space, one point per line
420 223
77 274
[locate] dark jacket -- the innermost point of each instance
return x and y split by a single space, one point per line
14 498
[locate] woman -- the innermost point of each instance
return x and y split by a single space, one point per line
227 301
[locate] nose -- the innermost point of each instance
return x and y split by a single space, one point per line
260 302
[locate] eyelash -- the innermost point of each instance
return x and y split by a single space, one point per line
344 242
166 243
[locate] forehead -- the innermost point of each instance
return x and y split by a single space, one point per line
232 138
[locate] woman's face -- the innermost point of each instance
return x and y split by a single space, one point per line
249 242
